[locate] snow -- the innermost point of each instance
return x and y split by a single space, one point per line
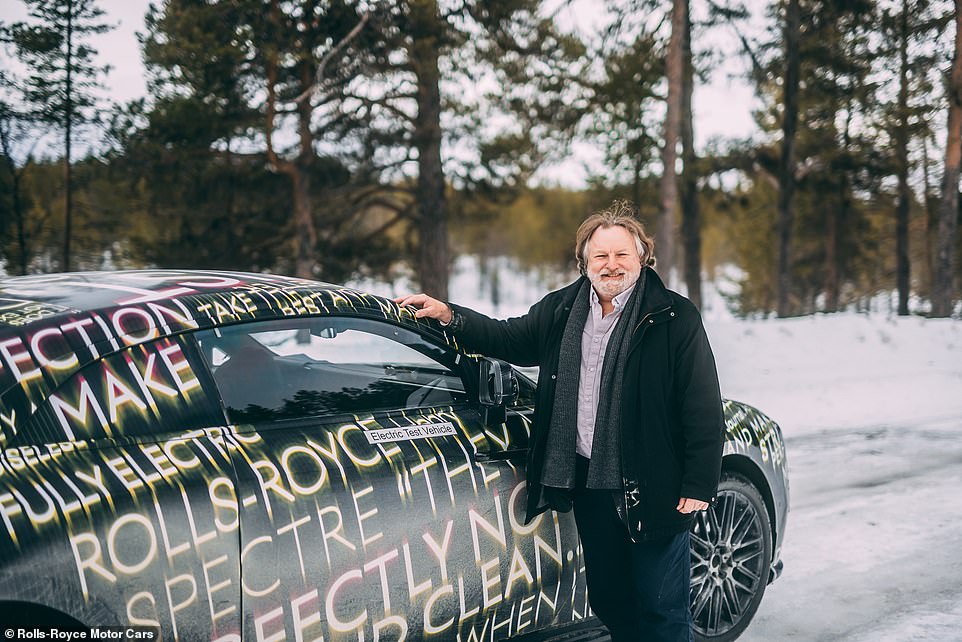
845 370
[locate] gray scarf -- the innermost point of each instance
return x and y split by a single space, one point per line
604 471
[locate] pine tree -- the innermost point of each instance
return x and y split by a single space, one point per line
674 72
623 120
59 89
271 100
907 30
943 291
442 52
827 157
351 102
14 135
690 210
786 174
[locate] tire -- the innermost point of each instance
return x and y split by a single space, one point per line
731 557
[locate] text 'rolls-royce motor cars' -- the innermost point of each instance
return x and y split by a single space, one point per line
229 456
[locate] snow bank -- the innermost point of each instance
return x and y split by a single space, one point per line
815 373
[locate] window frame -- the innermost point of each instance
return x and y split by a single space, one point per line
461 364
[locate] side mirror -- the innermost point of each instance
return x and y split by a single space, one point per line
498 385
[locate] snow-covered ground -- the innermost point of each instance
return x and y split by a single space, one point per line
871 409
842 371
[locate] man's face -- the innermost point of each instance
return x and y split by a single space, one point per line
613 262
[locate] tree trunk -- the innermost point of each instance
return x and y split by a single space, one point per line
6 145
305 259
931 218
902 265
18 213
839 222
433 255
68 127
304 225
690 213
840 233
669 153
831 256
942 295
786 182
299 169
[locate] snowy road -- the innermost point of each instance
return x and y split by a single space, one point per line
874 545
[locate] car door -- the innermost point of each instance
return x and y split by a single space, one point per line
379 499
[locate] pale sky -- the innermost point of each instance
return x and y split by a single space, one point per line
118 48
722 108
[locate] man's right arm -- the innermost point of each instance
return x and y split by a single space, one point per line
514 340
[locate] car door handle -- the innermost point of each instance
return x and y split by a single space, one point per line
502 455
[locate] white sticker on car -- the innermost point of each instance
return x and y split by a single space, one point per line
407 433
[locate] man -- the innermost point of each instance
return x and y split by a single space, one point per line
628 423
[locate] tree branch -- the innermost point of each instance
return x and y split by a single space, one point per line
757 71
382 102
399 216
363 193
322 65
770 178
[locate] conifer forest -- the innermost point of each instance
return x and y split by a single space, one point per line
339 139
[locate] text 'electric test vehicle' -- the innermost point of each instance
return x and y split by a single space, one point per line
249 457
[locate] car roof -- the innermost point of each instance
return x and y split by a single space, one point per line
27 299
48 320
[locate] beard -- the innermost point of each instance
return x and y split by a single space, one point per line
611 283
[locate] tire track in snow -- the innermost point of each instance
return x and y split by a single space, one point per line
873 541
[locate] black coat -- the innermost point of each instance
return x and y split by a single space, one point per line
672 419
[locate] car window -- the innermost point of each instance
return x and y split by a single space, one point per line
295 368
151 388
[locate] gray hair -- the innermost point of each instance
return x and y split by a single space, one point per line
622 214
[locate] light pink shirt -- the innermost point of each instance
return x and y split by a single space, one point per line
594 343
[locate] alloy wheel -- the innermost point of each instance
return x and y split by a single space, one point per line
731 556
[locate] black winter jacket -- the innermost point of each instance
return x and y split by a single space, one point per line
672 419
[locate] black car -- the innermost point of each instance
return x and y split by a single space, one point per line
231 456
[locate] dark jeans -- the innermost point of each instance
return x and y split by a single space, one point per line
639 591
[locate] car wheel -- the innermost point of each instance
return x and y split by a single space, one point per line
731 554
